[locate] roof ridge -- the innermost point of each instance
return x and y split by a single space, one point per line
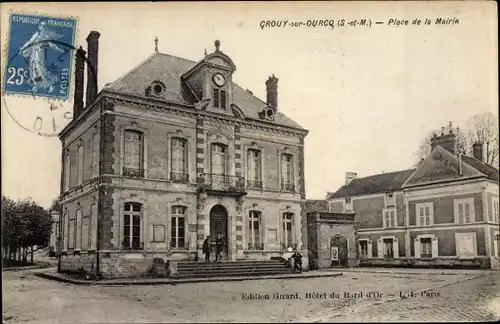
385 173
479 161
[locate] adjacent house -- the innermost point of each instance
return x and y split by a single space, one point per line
442 213
170 153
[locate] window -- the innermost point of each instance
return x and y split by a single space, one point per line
179 160
93 227
425 214
71 234
218 159
390 218
388 248
67 171
95 155
133 154
348 205
287 230
78 226
85 232
219 98
363 248
426 247
254 240
254 169
495 211
496 245
390 200
132 226
287 173
178 227
64 233
464 211
79 165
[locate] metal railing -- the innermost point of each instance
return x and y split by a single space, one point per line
179 177
135 173
290 187
254 184
222 182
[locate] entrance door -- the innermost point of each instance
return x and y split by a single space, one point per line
338 250
218 229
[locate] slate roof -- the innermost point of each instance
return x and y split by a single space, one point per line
168 69
378 183
490 171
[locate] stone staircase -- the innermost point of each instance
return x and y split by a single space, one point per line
231 269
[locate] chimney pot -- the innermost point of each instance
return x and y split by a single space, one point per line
79 79
272 91
477 151
442 131
451 127
349 176
92 63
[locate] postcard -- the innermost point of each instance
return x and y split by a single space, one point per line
250 162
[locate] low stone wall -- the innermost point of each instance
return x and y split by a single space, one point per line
455 263
77 262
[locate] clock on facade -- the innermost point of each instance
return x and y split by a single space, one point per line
219 79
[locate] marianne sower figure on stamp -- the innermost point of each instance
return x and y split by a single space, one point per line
34 50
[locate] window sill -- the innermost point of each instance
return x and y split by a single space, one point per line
179 249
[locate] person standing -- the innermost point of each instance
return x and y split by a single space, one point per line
206 249
297 257
219 244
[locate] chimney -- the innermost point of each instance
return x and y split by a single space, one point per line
446 141
349 176
93 53
272 91
79 79
477 151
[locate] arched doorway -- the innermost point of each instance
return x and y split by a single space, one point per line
338 251
218 229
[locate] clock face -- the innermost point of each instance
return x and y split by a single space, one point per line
219 79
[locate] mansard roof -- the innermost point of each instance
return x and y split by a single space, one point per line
168 69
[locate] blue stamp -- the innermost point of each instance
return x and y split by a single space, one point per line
39 56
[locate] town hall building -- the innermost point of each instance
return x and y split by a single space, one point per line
170 153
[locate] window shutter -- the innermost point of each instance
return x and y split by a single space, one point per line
495 246
435 250
395 248
417 248
370 249
380 248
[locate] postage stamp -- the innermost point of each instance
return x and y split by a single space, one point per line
39 56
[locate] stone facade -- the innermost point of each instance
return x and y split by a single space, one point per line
128 217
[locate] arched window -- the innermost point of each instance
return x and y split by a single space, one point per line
254 237
64 231
178 228
132 226
78 226
254 170
79 165
219 152
95 155
179 159
288 231
133 154
67 171
287 173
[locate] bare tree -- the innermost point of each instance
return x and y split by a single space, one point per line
484 128
479 128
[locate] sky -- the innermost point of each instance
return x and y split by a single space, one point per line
367 95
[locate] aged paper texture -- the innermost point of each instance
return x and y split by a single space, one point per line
250 162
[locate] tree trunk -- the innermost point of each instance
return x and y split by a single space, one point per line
32 254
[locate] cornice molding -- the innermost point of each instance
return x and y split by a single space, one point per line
190 111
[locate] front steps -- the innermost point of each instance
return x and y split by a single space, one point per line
231 269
